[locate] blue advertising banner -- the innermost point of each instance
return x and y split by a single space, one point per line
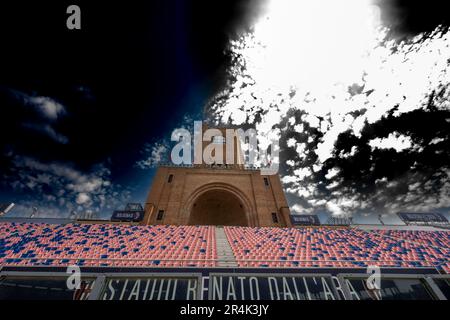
305 220
127 216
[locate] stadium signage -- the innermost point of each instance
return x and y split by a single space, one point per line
134 216
151 289
213 284
305 220
222 287
228 287
273 287
411 217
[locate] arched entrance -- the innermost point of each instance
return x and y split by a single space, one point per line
218 207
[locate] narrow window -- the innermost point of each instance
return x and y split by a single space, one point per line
274 217
160 215
266 182
170 178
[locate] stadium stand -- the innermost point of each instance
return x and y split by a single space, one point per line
345 247
42 244
27 244
428 218
336 221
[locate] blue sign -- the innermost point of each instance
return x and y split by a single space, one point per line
128 216
305 220
422 217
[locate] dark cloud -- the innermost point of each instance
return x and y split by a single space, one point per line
410 17
126 79
365 174
29 120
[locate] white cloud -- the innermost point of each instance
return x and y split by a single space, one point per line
56 189
299 128
437 140
332 173
302 173
299 209
393 141
48 107
48 131
83 198
288 179
290 163
291 142
157 152
311 120
46 111
157 155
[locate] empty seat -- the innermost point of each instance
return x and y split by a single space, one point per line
346 247
106 245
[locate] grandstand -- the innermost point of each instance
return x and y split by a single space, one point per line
314 247
339 221
215 233
95 245
417 256
432 219
31 244
28 244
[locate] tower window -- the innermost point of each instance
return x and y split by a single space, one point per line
266 182
160 215
169 180
274 217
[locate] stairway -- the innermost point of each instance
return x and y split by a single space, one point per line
224 251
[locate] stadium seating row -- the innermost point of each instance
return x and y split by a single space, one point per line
106 245
28 244
322 247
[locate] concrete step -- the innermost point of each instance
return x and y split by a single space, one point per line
224 251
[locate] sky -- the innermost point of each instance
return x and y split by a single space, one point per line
357 94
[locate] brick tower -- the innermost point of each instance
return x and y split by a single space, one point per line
216 194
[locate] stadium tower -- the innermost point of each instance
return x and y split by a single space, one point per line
217 194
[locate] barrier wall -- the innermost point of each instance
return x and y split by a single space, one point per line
221 284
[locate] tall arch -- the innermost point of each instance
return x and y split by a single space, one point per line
216 199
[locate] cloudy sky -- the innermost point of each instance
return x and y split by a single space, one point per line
356 90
